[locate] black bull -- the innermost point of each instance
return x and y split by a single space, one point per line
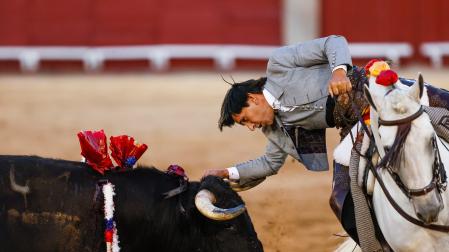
48 205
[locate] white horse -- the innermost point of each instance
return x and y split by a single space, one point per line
413 161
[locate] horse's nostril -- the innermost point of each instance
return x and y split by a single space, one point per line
434 219
427 218
420 216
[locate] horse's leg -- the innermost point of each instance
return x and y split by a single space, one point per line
341 200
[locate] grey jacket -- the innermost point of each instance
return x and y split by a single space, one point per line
297 76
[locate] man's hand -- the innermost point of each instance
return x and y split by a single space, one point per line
222 173
339 83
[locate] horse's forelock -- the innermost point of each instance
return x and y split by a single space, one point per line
394 156
400 101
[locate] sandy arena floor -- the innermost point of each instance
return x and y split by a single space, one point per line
176 115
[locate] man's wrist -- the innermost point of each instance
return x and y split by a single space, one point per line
339 73
342 67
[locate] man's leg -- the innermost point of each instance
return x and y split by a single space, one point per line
341 200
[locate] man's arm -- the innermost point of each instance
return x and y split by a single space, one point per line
266 165
263 166
332 50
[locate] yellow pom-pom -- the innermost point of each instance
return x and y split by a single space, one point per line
378 67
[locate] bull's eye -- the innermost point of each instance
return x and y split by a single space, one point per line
231 228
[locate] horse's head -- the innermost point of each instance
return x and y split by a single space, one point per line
409 140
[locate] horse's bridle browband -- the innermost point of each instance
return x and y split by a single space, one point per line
408 119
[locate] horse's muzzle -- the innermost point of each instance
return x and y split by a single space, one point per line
428 207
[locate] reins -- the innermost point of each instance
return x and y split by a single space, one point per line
405 215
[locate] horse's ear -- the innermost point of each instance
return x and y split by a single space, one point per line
417 89
369 97
421 85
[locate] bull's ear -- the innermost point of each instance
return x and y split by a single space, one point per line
417 89
369 97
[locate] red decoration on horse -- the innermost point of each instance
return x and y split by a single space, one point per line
387 78
369 65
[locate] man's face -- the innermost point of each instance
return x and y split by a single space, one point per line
258 114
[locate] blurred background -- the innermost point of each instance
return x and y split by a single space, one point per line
151 69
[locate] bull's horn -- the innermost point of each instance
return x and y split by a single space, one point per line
204 201
238 188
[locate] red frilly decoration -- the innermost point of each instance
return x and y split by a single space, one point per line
95 149
125 151
387 78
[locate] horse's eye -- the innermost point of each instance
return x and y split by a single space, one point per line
387 149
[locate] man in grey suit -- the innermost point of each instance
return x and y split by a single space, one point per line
295 96
293 106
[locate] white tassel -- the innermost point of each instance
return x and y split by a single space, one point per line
115 241
108 192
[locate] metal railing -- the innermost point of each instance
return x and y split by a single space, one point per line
159 56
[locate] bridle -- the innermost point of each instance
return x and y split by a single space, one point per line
438 181
439 178
439 174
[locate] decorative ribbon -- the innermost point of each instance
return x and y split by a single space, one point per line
110 233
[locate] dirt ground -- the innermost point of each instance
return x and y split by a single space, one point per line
176 116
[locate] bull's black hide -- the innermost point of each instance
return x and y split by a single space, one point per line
59 213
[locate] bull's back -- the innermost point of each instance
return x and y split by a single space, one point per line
44 204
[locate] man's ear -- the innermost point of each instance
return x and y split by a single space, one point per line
253 98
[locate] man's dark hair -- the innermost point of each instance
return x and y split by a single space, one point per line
236 99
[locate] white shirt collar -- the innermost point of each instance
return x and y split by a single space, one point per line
275 103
